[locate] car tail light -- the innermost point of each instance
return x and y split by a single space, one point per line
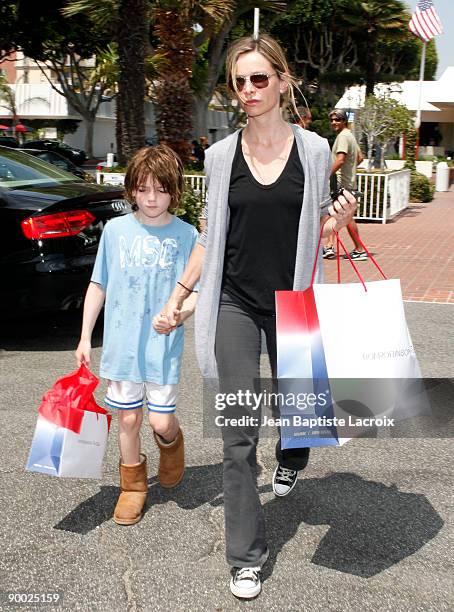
99 168
58 225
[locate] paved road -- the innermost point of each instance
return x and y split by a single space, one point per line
369 526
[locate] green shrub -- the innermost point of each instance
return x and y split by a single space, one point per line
190 208
421 189
194 168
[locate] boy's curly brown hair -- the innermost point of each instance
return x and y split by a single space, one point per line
166 168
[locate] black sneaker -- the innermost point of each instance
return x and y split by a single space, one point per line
329 253
245 582
357 255
284 480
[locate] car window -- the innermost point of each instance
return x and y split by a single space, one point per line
20 170
43 155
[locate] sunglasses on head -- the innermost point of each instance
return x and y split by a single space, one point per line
259 80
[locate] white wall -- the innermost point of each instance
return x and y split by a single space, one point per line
103 137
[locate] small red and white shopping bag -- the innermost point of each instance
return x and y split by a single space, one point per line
71 432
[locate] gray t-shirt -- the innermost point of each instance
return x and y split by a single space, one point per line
346 143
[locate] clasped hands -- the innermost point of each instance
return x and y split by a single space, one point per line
167 320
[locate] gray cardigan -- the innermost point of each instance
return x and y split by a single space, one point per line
315 158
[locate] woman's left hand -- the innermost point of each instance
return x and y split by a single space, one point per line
161 324
342 210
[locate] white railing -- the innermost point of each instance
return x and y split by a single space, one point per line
384 195
197 182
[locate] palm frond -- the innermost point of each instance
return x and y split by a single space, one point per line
101 13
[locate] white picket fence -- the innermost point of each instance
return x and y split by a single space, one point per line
384 195
197 182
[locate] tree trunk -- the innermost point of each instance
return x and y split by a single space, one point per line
89 131
370 66
216 54
174 96
370 146
132 42
119 130
382 155
200 118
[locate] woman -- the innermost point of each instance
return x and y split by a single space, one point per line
268 190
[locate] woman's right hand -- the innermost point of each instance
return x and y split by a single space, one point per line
83 353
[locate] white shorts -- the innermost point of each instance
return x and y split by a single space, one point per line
127 395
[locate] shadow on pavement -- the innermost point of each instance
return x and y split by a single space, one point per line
371 526
201 484
412 211
58 331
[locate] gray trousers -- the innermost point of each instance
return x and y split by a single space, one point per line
238 348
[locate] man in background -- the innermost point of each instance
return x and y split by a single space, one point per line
346 156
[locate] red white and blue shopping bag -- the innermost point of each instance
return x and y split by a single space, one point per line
71 432
330 333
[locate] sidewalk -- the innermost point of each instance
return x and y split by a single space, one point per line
416 246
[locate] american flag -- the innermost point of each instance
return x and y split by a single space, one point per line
425 23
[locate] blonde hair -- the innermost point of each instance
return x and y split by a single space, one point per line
164 166
267 46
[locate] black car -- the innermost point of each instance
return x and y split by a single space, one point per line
9 141
58 160
77 156
51 226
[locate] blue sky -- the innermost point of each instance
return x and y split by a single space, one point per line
445 42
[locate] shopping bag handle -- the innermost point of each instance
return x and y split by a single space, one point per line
339 241
371 257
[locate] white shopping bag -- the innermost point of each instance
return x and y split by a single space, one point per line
365 333
346 350
71 432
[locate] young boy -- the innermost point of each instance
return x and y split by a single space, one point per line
140 258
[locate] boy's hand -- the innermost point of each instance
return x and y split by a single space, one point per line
161 323
83 353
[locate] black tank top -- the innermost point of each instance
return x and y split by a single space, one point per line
263 231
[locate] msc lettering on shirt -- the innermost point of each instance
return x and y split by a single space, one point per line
147 251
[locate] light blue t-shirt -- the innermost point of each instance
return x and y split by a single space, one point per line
137 266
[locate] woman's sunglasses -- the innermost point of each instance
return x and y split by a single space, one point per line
259 80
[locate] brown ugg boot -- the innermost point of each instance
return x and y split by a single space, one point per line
171 460
134 487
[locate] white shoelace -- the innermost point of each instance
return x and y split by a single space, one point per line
247 573
285 474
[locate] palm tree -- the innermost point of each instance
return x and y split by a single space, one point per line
174 27
370 21
128 21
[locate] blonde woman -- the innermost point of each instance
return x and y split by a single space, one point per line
268 190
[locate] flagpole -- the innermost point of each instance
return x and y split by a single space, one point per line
418 111
255 35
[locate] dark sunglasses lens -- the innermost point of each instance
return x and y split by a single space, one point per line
259 80
240 83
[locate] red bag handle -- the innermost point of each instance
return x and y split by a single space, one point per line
371 257
339 241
